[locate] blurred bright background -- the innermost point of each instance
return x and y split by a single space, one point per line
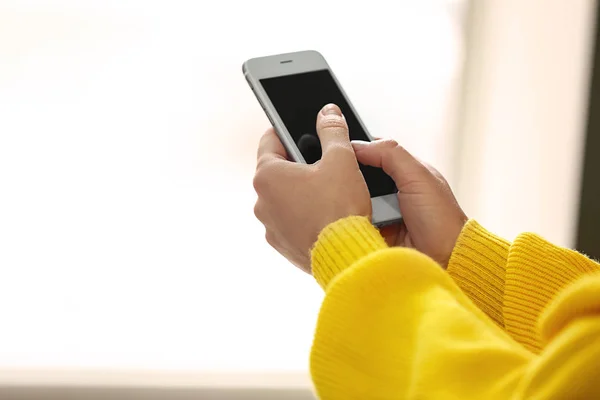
127 149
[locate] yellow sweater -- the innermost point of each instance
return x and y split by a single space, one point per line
506 321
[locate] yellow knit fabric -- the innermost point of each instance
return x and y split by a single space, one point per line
506 321
514 283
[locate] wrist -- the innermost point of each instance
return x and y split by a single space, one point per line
453 237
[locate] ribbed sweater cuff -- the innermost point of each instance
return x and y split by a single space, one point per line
536 274
478 265
341 244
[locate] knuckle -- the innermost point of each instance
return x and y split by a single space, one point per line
341 149
333 122
429 169
256 182
388 143
433 171
314 175
396 152
257 211
261 162
397 148
261 178
259 181
270 238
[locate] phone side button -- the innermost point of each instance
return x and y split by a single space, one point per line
270 120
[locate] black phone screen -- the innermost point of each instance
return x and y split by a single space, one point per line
298 98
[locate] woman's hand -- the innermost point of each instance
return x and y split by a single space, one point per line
432 218
296 201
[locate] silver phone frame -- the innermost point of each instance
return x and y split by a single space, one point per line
385 209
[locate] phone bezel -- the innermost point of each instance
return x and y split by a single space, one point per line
385 209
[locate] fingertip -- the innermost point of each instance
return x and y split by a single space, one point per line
359 145
332 128
331 109
330 116
268 136
271 132
270 145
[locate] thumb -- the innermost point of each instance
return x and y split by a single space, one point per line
332 128
395 161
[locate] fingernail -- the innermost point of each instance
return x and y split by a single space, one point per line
331 109
359 144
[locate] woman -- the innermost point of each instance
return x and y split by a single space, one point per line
498 320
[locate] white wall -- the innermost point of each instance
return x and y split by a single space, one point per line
127 149
524 115
119 120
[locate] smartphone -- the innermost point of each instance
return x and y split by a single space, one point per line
292 88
